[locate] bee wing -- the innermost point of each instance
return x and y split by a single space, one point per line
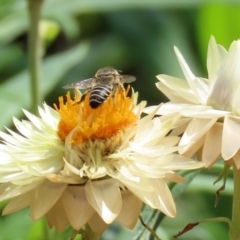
83 84
128 78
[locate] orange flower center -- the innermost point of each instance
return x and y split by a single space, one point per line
115 114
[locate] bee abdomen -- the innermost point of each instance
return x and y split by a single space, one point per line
99 94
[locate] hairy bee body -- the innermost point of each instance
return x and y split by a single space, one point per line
105 82
99 94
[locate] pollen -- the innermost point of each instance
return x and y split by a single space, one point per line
112 116
68 112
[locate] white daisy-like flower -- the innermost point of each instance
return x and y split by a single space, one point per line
77 165
210 107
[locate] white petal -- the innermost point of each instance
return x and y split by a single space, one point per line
58 178
105 198
180 126
215 57
231 136
12 139
226 82
154 132
236 101
195 148
200 111
198 85
212 145
149 167
195 130
44 197
179 88
130 210
23 128
169 141
166 203
182 163
172 95
17 203
57 217
201 89
35 120
173 177
150 109
166 108
49 116
172 108
148 152
150 198
186 70
97 225
9 190
147 119
160 198
76 206
13 176
126 176
71 168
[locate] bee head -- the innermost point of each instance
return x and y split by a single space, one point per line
106 72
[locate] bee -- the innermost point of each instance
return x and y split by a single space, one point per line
105 82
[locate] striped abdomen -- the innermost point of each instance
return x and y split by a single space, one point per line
99 94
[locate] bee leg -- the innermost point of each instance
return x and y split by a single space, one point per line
121 85
123 89
114 92
115 87
82 99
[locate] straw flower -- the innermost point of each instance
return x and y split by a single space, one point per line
76 165
210 107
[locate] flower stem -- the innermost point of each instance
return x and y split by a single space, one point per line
235 231
34 56
153 233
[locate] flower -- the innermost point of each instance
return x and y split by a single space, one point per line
77 165
209 107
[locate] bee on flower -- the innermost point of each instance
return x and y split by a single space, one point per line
77 165
105 82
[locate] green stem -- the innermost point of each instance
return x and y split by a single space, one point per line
235 231
156 225
153 233
34 55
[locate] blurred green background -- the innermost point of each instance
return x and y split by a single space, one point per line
136 36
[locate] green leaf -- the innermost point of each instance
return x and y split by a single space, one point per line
12 27
37 231
8 55
16 225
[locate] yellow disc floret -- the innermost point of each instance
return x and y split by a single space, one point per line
115 114
68 112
